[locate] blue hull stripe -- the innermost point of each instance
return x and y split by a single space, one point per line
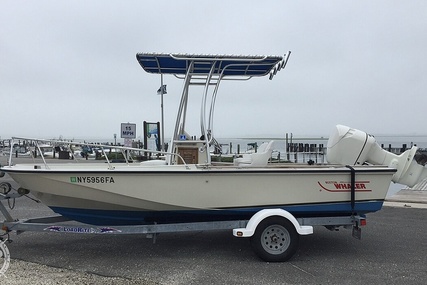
110 217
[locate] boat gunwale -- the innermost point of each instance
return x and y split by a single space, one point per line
205 170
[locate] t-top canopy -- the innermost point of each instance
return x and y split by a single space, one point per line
224 65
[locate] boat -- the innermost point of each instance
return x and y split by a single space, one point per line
186 186
47 150
18 151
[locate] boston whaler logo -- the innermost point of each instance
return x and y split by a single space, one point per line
345 186
92 179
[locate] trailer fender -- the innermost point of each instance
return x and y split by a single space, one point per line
266 213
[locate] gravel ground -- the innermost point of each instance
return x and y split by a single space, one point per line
21 272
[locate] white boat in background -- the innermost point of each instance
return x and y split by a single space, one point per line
46 150
187 186
17 151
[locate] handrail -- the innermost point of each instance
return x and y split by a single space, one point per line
40 151
101 146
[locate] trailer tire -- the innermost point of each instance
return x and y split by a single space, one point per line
4 258
275 239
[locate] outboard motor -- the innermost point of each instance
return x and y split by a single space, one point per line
349 146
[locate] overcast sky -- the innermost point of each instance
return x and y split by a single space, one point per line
69 68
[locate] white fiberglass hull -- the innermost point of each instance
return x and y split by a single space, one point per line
133 193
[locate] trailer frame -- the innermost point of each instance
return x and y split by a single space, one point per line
275 220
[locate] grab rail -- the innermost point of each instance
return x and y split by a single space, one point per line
69 145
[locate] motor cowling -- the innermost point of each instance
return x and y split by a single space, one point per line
348 146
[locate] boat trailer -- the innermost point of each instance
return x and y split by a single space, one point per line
274 233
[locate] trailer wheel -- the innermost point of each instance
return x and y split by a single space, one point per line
4 257
275 239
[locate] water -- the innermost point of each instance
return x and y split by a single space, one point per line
386 140
397 141
394 188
